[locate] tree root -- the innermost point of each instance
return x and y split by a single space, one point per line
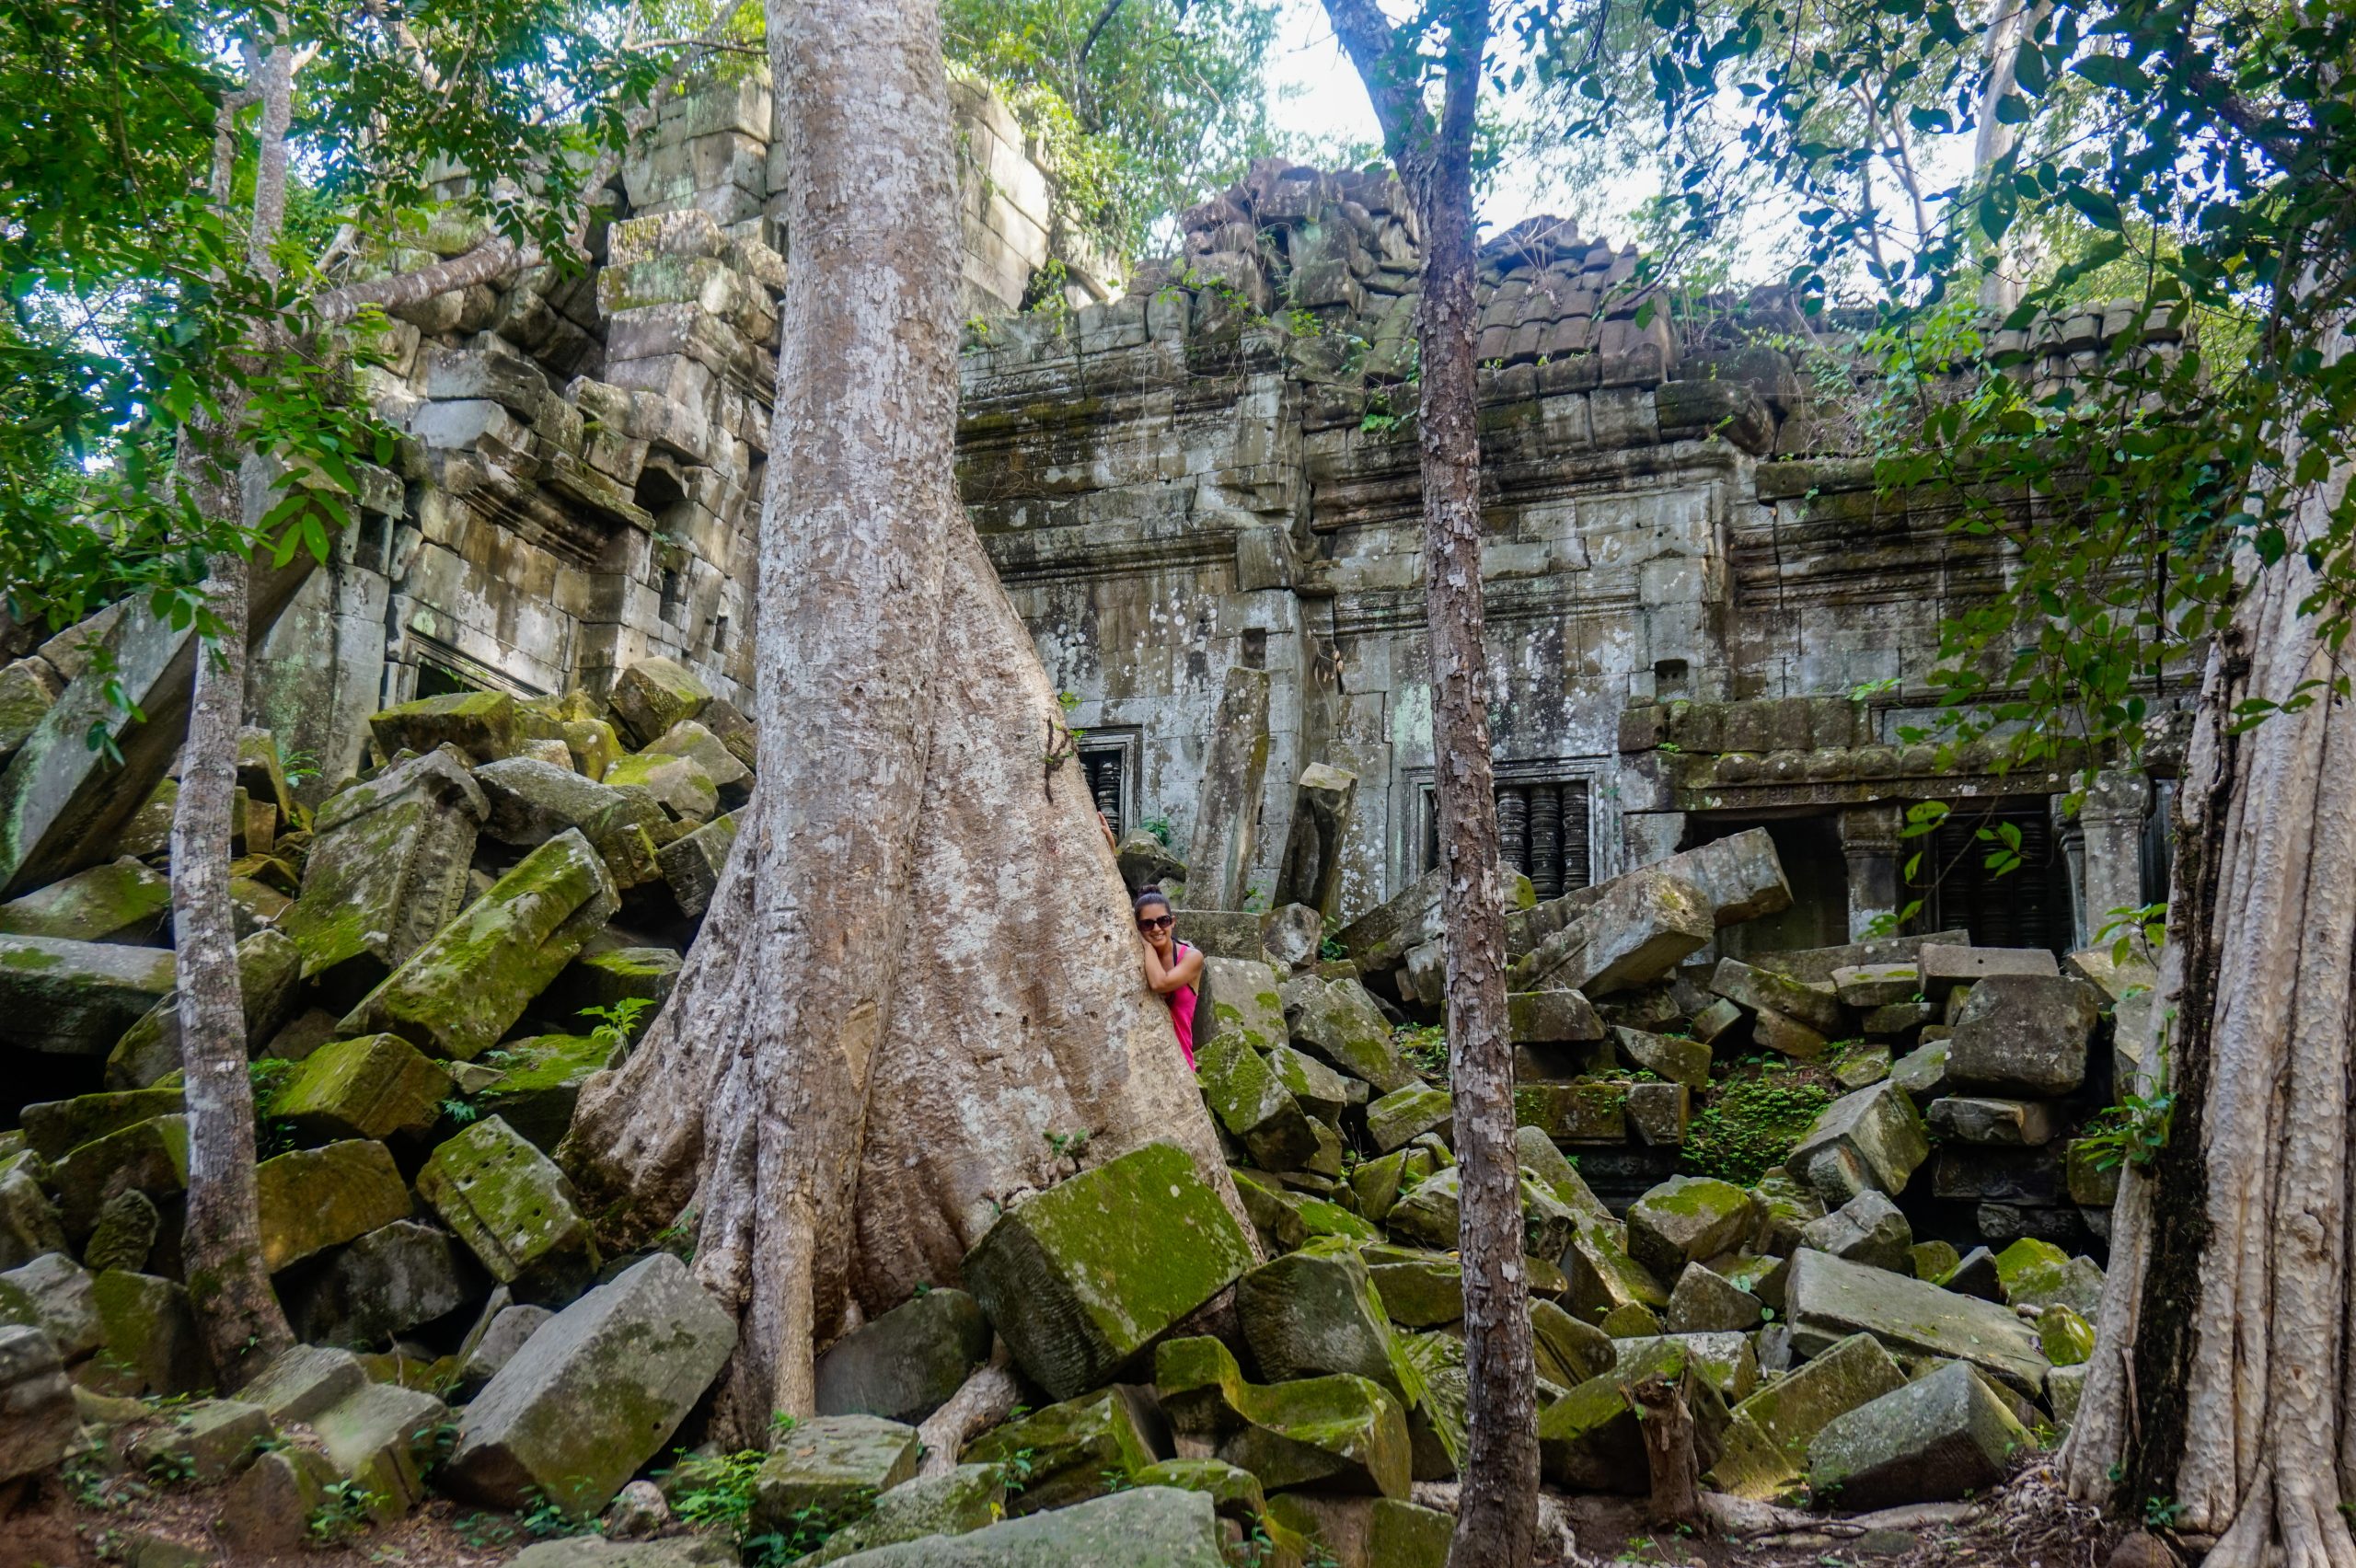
987 1398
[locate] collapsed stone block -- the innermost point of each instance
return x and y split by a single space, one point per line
56 1128
1794 1408
1242 995
1546 1164
381 1437
387 870
1311 871
1084 1275
1687 1220
829 1467
150 1156
457 993
481 724
394 1279
270 973
1872 1139
968 1498
52 1293
1406 1114
1072 1447
537 1091
1551 1017
1866 1229
1947 966
691 863
1315 1087
1341 1433
513 1209
1975 1120
120 902
1640 928
316 1198
1826 1299
2031 1273
2023 1035
595 1393
677 784
147 1339
1604 1278
302 1381
905 1364
267 1509
372 1086
1151 1526
1316 1311
654 693
1337 1021
1704 1302
38 1425
1674 1057
73 999
1723 1359
1764 991
1590 1439
1583 1111
531 801
204 1441
29 1221
125 1234
1251 1106
1944 1437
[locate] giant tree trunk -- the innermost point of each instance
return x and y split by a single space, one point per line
2222 1377
230 1293
921 917
1497 1514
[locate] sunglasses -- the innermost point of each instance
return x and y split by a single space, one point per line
1157 922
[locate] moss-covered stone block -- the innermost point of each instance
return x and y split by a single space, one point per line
70 998
52 1293
1589 1112
372 1087
1750 1465
1827 1299
1419 1289
1251 1106
1569 1351
1073 1446
831 1467
1590 1440
316 1198
1942 1436
1672 1056
1088 1273
381 1437
1872 1139
54 1128
1688 1220
204 1441
28 690
513 1209
2067 1339
541 1083
654 693
1316 1311
460 992
150 1156
606 979
968 1498
677 784
1604 1277
147 1339
121 902
387 870
1406 1114
1342 1432
906 1363
2038 1273
482 724
1337 1021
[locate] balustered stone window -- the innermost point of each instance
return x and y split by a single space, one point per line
1544 831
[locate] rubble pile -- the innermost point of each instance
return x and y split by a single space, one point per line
439 955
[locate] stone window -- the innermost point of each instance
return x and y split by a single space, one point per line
1108 760
1544 831
2028 906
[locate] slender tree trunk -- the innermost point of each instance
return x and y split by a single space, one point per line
921 916
1665 1411
2000 291
2222 1377
1497 1516
229 1290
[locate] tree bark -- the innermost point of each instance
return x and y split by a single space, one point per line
921 914
2001 48
2224 1377
1498 1512
1666 1422
985 1399
230 1293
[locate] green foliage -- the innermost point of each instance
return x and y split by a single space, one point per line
1750 1120
2131 1132
617 1023
344 1511
1425 1047
1167 103
1159 828
544 1518
1071 1146
459 1111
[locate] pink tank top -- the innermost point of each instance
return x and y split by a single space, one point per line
1181 1011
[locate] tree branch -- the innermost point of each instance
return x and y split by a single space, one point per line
1376 49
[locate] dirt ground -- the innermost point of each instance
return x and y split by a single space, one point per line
2028 1524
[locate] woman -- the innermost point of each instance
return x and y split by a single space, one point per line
1171 968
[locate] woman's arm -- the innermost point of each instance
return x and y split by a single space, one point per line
1188 969
1167 977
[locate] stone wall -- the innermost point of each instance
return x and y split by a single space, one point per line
1703 616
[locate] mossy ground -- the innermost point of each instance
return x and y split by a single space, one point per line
1752 1114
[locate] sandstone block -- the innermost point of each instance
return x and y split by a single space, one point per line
379 1435
120 902
1337 1022
1145 1527
1674 1057
73 998
531 801
1084 1275
482 724
396 1278
595 1393
2019 1122
1794 1408
1406 1114
829 1467
513 1209
1643 924
1870 1139
372 1086
1072 1447
38 1424
1946 966
1687 1220
1339 1433
905 1364
654 693
1826 1299
1940 1438
1866 1229
2023 1035
1705 1301
1251 1106
316 1198
1316 1311
1764 990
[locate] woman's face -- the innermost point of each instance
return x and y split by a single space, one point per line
1153 924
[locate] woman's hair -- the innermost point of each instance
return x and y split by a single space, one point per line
1148 895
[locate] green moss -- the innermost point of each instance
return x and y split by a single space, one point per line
1750 1120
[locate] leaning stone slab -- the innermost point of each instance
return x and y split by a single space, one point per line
1636 932
52 1293
147 1340
1704 1302
691 863
536 1092
2023 1035
394 1279
1406 1114
1251 1106
1672 1056
1866 1229
1086 1274
1072 1447
1315 1087
458 994
1145 1527
1310 869
654 693
316 1198
302 1381
56 1128
380 1436
1826 1299
1316 1311
270 973
204 1441
1337 1021
595 1393
1242 996
513 1209
387 869
1794 1408
149 1157
1548 1166
677 784
1977 1120
1873 1138
73 999
38 1424
1740 878
830 1467
1764 990
372 1086
482 724
1940 1438
531 801
120 902
1590 1440
905 1364
1604 1279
